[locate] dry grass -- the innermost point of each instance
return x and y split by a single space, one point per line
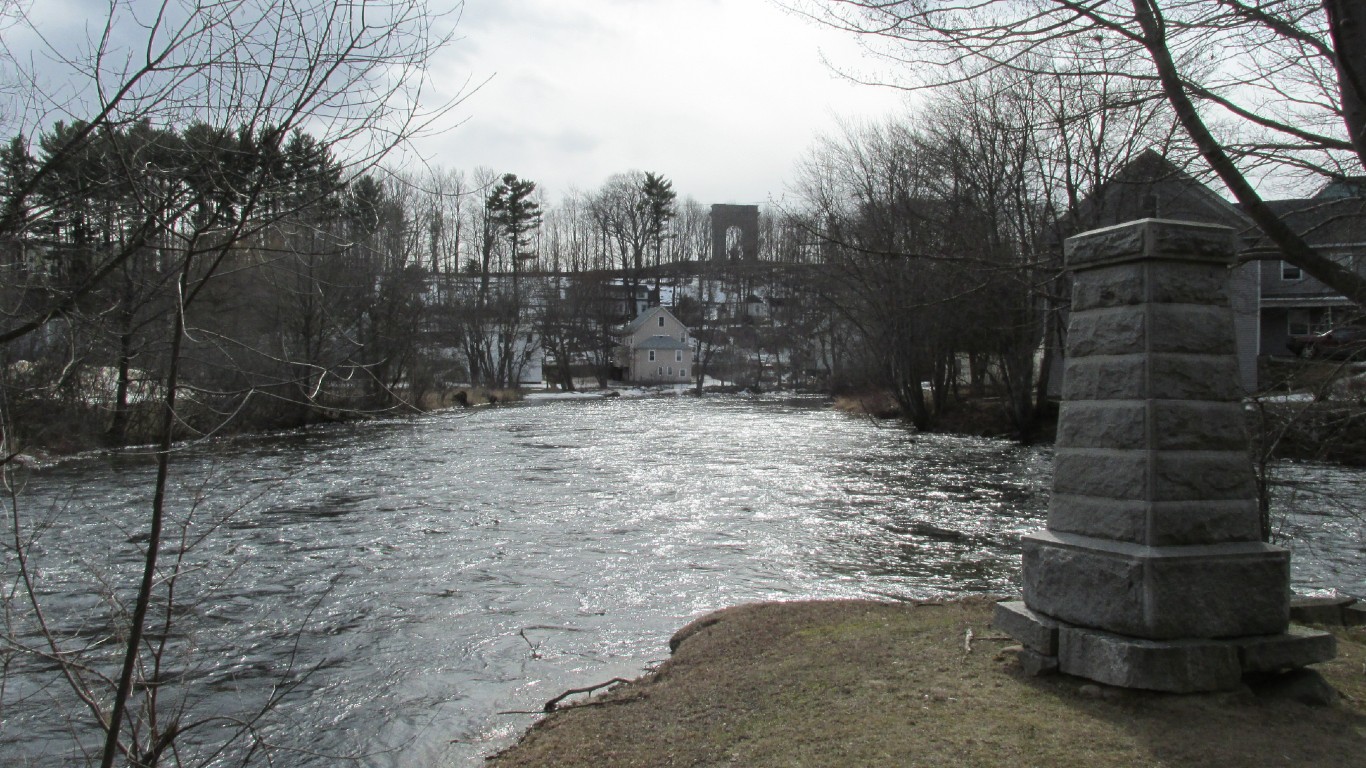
873 684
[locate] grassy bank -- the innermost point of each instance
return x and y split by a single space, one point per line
877 684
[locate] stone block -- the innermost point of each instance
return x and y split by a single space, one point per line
1200 475
1182 425
1354 615
1036 664
1190 329
1104 377
1110 286
1132 283
1326 611
1159 523
1138 474
1108 474
1102 424
1133 329
1115 519
1121 331
1034 631
1173 377
1177 425
1294 648
1210 591
1178 666
1151 239
1305 686
1194 377
1204 521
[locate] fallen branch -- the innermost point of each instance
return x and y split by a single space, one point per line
550 705
967 641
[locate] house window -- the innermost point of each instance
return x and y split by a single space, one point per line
661 370
652 355
1299 322
1290 271
682 373
678 355
671 370
661 321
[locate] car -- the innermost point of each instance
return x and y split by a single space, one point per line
1339 343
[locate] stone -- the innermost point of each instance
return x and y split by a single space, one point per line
1161 523
1164 376
1326 611
1354 615
1034 631
1177 666
1102 424
1132 283
1152 565
1221 425
1035 664
1295 648
1217 590
1305 686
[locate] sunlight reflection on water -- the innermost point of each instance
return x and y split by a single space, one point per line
440 570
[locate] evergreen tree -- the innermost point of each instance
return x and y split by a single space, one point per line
513 210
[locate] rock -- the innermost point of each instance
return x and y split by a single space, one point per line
1326 611
1306 686
1354 615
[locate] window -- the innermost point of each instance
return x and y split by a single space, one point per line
1290 271
682 373
661 370
1299 322
661 321
671 370
678 355
652 355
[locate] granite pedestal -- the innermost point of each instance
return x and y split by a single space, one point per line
1151 572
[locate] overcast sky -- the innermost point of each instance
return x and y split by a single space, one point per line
721 96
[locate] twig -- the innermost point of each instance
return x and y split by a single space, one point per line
553 703
535 654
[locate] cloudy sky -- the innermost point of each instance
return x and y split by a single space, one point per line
721 96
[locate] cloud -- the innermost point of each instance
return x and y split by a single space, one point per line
723 96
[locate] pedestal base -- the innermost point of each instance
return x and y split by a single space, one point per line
1158 593
1176 665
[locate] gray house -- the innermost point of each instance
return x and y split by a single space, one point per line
654 349
1293 303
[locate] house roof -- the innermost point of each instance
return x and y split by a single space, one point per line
645 316
1322 220
1150 186
661 342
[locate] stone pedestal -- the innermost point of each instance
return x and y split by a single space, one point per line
1151 573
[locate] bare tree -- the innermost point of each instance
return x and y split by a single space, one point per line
350 74
1257 88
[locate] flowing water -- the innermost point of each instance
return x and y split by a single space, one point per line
398 585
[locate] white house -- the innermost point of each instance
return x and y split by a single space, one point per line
655 349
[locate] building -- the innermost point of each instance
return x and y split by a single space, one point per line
1332 222
655 349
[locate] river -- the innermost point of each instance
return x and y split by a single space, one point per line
399 584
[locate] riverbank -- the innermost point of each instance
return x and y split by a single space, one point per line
855 683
